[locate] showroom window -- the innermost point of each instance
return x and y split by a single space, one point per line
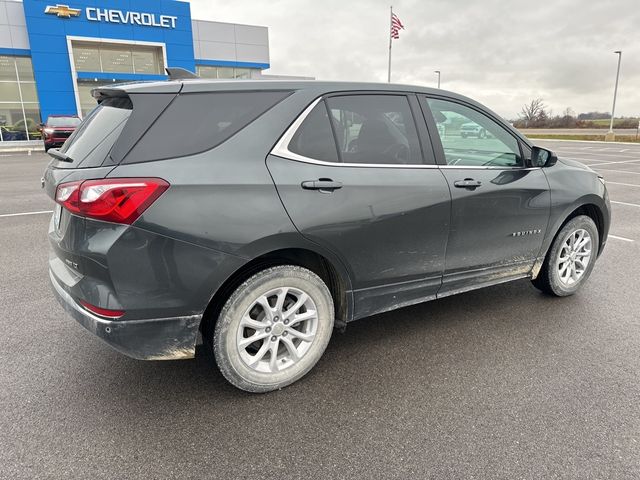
204 71
19 106
118 58
87 102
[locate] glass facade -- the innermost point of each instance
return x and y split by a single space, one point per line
104 57
87 102
117 58
19 107
224 72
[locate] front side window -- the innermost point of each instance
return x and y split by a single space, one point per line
375 129
470 138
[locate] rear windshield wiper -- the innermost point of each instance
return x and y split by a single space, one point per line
58 155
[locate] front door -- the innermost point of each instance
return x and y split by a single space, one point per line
500 207
354 179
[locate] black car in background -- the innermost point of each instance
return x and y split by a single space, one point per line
261 215
57 129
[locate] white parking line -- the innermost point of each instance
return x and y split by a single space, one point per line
24 213
594 153
580 159
609 163
621 238
619 171
625 184
625 203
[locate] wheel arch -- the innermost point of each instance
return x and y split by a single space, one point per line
331 272
591 209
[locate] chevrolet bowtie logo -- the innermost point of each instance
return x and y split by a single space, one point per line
62 11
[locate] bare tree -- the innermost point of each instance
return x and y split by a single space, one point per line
534 111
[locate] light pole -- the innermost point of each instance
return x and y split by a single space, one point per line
615 93
438 72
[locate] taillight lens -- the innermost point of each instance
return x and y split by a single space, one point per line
118 200
103 312
68 195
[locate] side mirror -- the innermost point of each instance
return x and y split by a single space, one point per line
541 157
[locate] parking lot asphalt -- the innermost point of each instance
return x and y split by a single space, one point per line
497 383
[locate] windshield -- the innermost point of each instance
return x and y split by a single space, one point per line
63 122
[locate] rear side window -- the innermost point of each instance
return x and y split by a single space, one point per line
314 139
196 122
90 144
375 129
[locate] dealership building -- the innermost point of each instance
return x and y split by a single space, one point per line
52 55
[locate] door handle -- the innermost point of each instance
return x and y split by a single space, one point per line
325 185
469 183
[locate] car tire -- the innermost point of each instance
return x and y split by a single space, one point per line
564 271
269 307
463 135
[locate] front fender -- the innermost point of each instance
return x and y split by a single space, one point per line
560 213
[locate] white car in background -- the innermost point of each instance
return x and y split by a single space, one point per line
472 129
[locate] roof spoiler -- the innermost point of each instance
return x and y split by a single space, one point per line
101 93
177 73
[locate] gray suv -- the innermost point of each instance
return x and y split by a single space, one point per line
261 215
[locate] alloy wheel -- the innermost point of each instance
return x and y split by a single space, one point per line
574 257
277 330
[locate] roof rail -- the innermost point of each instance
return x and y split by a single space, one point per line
177 73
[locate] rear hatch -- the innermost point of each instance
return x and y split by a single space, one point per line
93 150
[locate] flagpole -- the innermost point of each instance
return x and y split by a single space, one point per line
390 26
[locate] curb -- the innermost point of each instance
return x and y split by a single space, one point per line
9 147
584 141
21 150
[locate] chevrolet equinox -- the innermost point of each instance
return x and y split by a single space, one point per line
261 215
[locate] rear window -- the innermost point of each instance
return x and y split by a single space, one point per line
196 122
91 142
63 122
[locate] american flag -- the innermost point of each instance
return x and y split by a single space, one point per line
396 26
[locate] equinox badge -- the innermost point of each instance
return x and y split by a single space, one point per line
526 232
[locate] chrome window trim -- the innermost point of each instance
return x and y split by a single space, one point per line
281 149
487 167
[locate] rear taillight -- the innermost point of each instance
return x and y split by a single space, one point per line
118 200
103 312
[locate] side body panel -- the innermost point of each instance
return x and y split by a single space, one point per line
497 229
221 211
388 225
573 185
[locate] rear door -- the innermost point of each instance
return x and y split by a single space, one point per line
354 178
500 206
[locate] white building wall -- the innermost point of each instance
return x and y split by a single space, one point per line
230 42
13 28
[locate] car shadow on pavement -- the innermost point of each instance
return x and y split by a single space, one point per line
401 344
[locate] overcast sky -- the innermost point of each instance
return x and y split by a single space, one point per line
503 53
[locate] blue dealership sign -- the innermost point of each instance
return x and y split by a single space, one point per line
52 25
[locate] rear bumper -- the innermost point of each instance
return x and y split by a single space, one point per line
150 339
